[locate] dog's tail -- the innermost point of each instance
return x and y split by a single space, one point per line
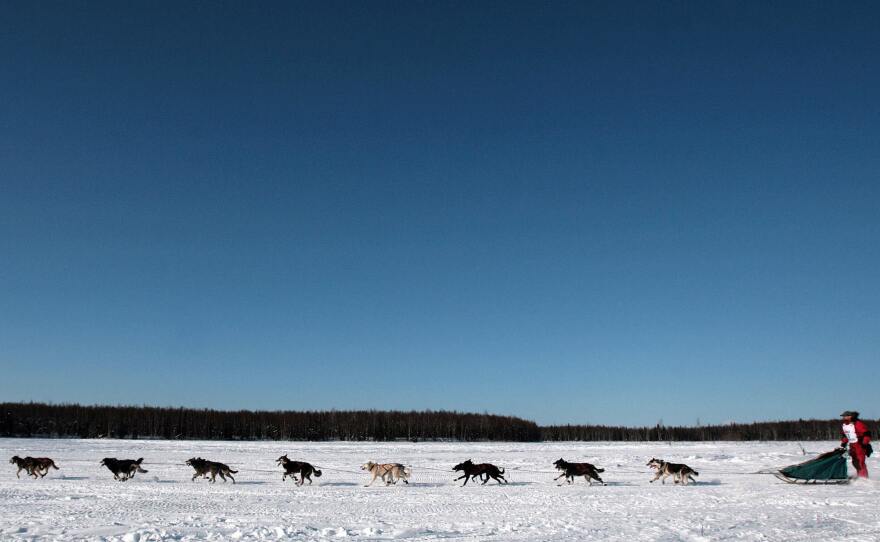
53 465
696 473
317 473
139 469
233 471
407 471
600 470
501 471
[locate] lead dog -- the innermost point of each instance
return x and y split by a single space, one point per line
123 469
680 472
570 470
389 472
203 468
482 470
292 468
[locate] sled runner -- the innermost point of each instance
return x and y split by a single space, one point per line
827 468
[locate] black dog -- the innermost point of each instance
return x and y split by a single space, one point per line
123 469
483 470
570 470
292 468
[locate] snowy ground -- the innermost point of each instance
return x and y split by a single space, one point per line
82 501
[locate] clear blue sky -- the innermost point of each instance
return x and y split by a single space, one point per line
572 212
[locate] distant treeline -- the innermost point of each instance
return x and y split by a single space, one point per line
45 420
781 430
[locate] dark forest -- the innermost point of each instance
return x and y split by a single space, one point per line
78 421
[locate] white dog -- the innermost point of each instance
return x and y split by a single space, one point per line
389 472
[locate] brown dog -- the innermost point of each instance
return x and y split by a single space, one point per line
41 465
203 468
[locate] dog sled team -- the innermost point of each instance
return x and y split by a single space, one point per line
389 473
855 438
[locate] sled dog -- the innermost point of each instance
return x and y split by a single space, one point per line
483 470
292 468
203 468
389 472
570 470
680 473
23 464
33 466
41 465
123 469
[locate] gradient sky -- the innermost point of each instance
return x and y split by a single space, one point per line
572 212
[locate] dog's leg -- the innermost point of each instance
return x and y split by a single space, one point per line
375 475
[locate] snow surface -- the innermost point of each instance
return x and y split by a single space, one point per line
82 501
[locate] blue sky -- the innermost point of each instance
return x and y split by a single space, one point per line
572 212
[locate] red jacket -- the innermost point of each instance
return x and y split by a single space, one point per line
862 433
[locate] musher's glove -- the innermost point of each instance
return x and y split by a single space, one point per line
869 450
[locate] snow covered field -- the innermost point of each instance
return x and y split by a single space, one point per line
82 501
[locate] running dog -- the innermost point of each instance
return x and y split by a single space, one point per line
680 473
570 470
292 468
484 471
203 468
389 472
41 465
24 464
123 469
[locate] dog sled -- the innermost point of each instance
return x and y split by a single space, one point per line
827 468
